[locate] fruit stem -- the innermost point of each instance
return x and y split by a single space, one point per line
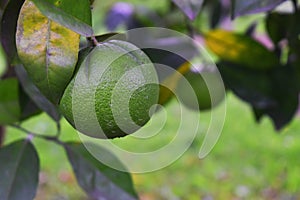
95 41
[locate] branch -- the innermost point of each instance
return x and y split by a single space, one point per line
45 137
58 127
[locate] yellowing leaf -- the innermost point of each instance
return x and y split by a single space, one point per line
48 51
240 49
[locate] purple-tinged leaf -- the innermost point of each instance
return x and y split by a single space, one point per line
98 180
19 171
244 7
9 27
2 6
190 8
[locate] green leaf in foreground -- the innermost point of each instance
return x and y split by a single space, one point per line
73 15
240 49
19 170
243 7
48 51
189 7
279 25
98 180
273 93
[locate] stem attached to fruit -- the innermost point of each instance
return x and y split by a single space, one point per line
94 40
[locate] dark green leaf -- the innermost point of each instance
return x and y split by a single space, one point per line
273 93
111 36
10 110
285 91
8 28
33 92
190 8
73 15
28 107
251 86
243 7
3 4
48 51
92 2
98 180
258 114
19 170
240 49
83 53
278 26
216 13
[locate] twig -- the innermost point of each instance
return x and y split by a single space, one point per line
191 30
96 43
58 127
45 137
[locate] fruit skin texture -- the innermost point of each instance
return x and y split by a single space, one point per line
197 85
111 94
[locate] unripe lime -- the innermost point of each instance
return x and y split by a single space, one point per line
112 92
194 93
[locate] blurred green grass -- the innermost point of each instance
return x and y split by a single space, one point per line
249 161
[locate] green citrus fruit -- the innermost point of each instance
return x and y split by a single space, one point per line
112 92
106 94
194 93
